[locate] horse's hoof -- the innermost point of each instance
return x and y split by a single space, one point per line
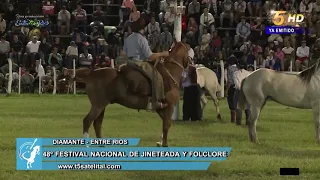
219 117
255 141
159 144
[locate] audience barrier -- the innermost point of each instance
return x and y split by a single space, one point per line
10 79
223 78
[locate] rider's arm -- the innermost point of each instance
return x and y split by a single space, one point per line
148 53
155 56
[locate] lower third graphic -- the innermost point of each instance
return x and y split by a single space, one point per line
29 154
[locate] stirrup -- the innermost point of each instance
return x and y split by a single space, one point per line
149 107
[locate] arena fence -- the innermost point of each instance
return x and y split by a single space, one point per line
9 89
54 71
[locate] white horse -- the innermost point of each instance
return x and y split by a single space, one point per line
300 91
208 81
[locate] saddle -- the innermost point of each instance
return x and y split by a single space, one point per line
140 70
149 72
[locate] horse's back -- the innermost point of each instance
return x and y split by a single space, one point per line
287 89
207 77
264 75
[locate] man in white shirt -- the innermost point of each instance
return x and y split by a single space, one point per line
238 77
206 21
32 52
288 53
302 56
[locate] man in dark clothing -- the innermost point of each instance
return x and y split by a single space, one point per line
231 88
191 96
10 15
16 50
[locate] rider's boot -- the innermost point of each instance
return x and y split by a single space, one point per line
238 116
233 116
155 105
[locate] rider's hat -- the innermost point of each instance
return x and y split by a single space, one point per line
137 25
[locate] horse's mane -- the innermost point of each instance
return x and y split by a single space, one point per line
307 74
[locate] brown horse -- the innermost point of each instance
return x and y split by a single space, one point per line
107 86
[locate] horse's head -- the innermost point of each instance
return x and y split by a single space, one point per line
179 52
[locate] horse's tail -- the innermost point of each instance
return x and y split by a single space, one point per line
22 155
81 75
242 98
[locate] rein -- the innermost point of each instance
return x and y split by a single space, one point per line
174 62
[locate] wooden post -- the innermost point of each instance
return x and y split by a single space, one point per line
19 85
39 88
222 78
112 63
54 80
10 76
74 75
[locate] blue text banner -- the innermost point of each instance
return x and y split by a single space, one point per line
136 154
61 142
125 166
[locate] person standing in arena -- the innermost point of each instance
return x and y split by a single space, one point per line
230 83
238 77
191 93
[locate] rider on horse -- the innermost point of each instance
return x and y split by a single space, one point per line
136 48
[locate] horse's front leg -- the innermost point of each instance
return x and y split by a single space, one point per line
165 115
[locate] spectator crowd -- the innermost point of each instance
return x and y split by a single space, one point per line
215 29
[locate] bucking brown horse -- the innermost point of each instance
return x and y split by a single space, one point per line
107 86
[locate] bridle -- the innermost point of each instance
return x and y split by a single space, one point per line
174 62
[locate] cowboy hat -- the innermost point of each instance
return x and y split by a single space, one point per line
137 25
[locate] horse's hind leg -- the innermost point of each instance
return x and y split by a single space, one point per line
87 121
97 124
216 103
316 117
255 112
203 101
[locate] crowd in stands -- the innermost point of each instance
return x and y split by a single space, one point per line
215 29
